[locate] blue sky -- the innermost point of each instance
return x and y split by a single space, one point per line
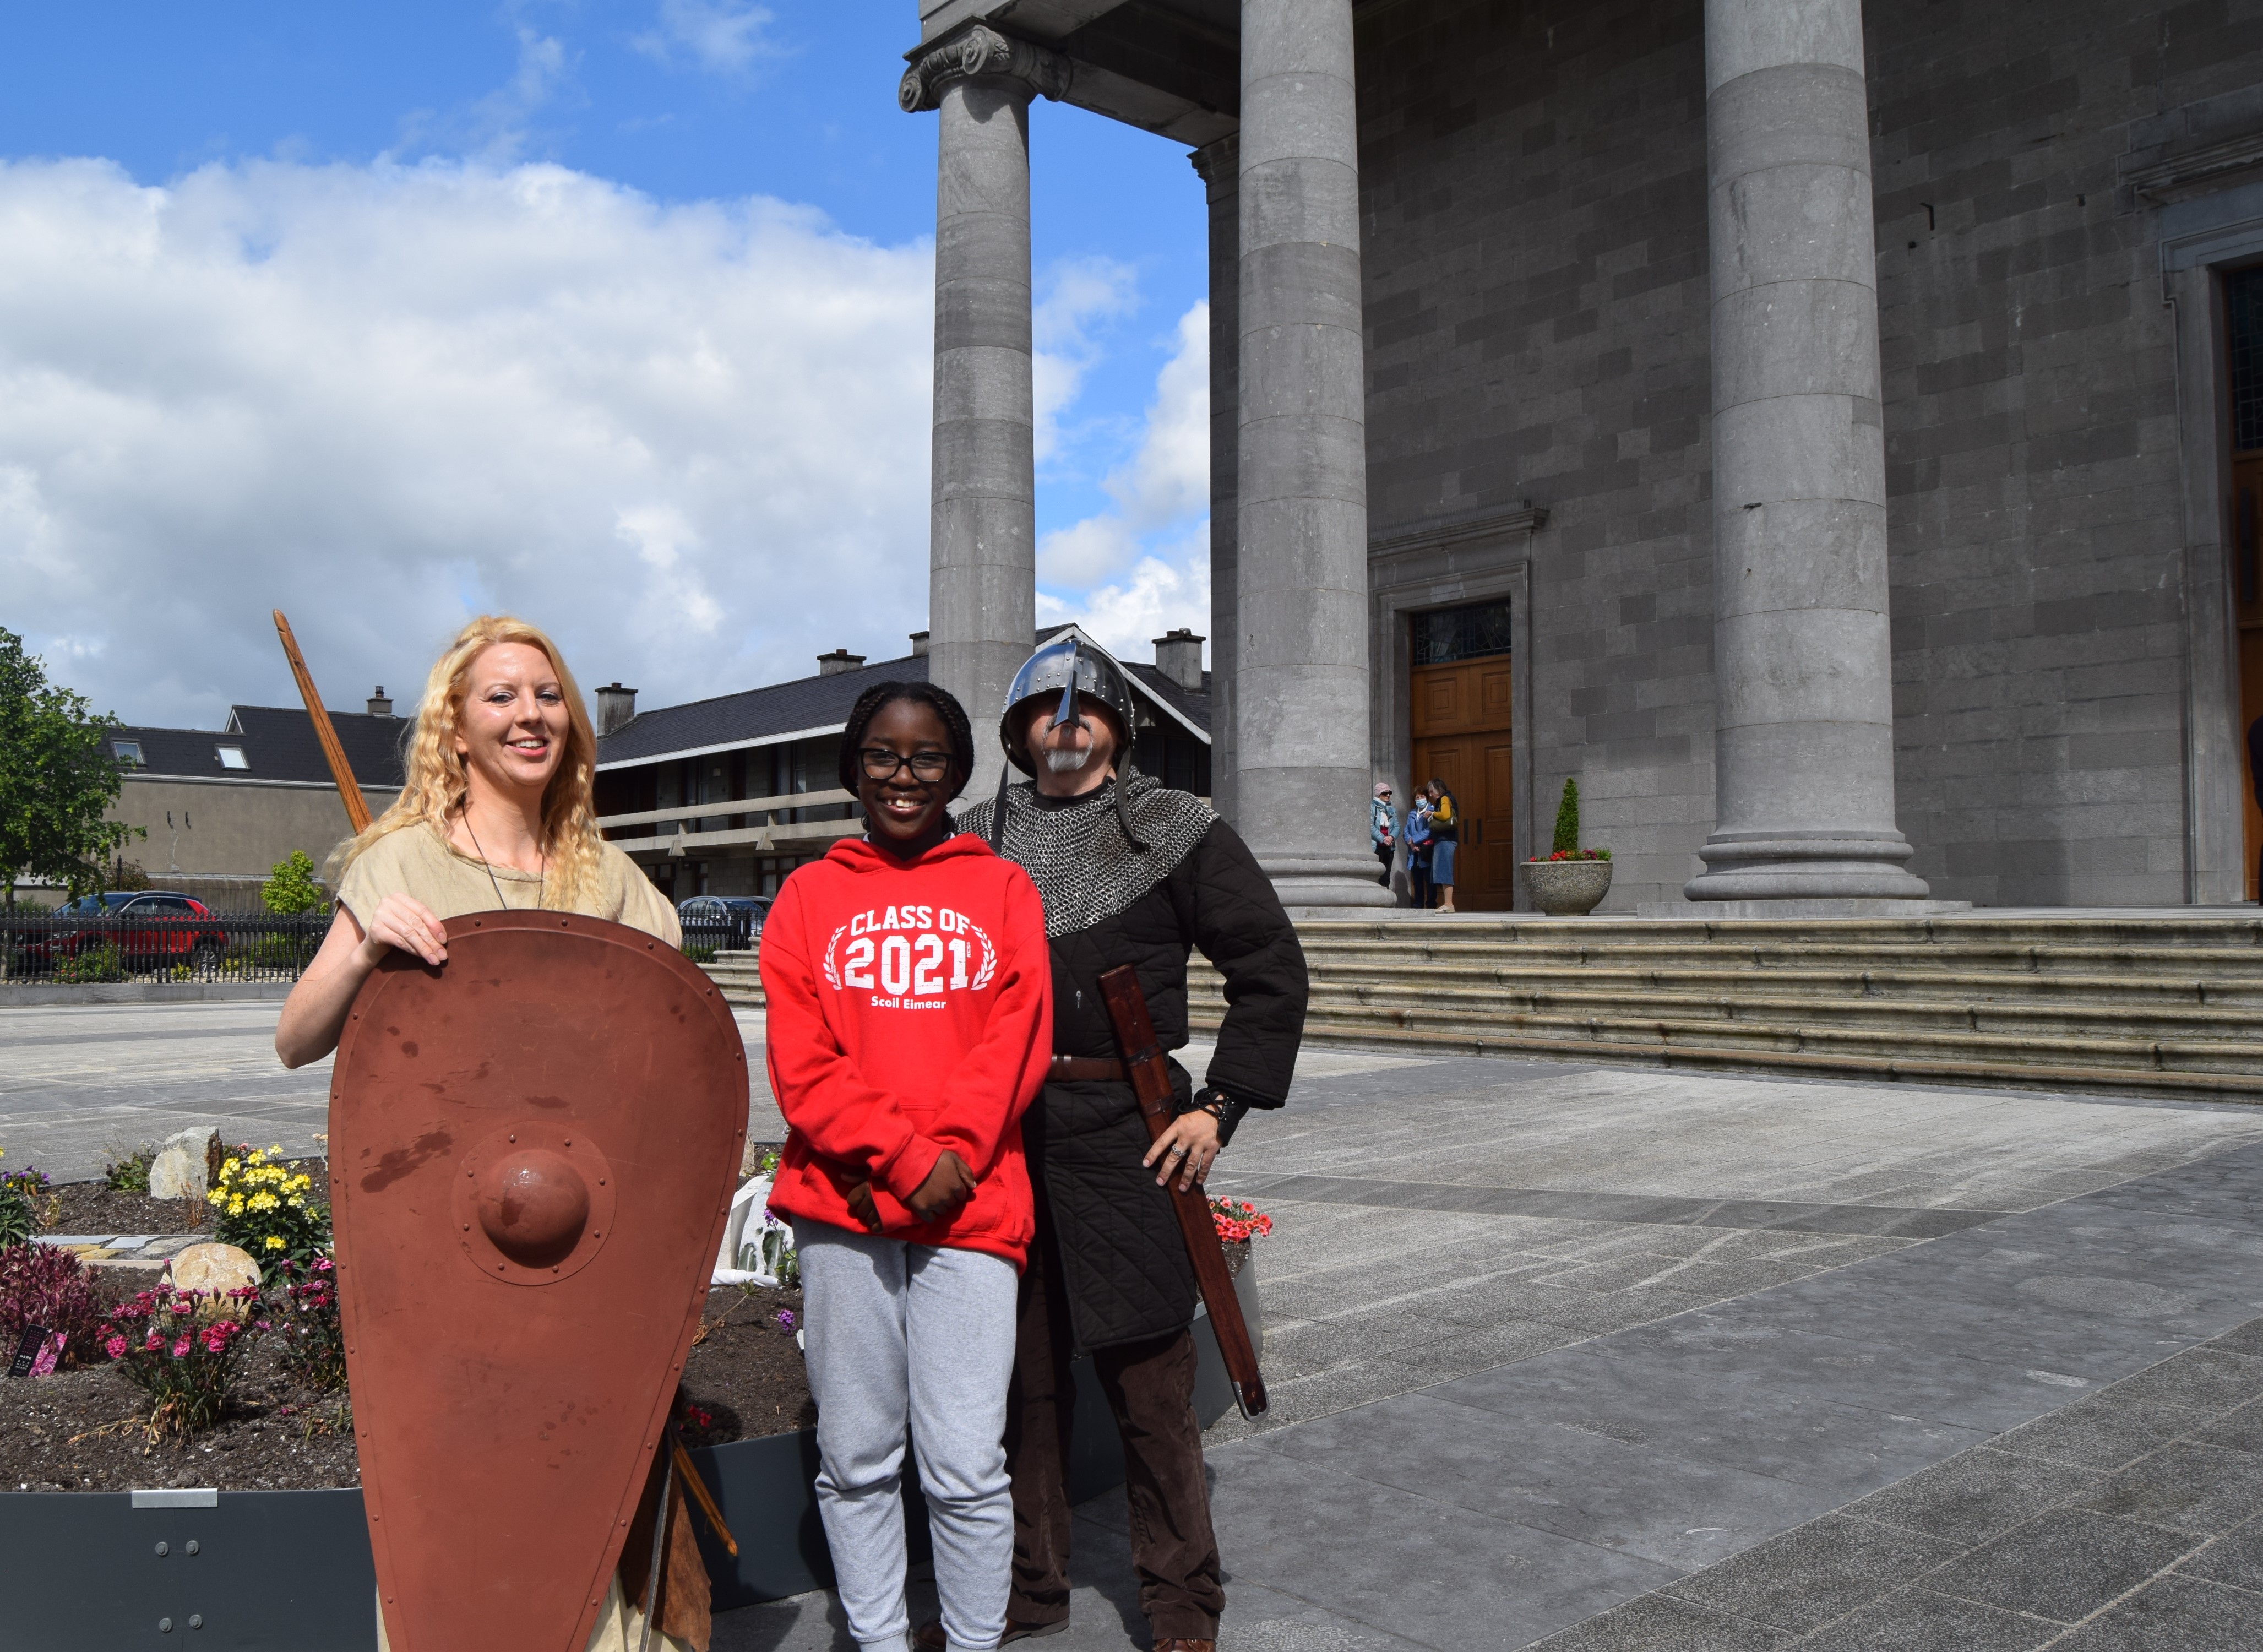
285 194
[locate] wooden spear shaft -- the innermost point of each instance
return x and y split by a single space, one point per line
340 771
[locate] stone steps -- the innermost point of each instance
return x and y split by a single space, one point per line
739 976
2155 1005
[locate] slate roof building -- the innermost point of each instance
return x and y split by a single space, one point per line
219 809
662 772
1832 434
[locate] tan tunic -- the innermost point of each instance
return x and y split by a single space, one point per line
417 862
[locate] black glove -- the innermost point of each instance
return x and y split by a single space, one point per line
1220 1106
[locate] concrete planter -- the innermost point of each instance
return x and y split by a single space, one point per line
1568 888
290 1571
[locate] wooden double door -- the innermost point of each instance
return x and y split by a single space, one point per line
1461 729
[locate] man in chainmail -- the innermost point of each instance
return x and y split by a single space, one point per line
1131 873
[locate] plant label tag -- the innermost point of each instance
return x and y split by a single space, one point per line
29 1347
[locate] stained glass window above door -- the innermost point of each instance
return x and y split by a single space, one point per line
1471 632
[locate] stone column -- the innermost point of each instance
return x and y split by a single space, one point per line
1804 753
1301 666
983 533
1219 165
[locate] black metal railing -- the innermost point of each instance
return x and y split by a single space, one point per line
704 937
70 949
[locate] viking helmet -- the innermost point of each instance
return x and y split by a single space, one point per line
1073 670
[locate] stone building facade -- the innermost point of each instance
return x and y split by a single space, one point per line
1947 295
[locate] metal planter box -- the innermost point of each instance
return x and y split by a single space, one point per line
290 1571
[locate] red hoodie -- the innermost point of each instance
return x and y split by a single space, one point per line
910 1010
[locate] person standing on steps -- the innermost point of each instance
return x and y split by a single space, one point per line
1445 832
1131 873
1418 851
1382 829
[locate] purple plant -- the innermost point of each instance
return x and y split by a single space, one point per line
785 1319
46 1285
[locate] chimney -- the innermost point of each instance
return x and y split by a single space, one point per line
919 645
379 705
615 705
839 660
1178 656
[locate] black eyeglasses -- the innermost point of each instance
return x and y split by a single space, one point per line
880 764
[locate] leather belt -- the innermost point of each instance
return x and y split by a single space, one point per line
1068 1069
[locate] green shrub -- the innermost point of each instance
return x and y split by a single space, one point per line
699 952
89 964
1567 820
131 1173
290 886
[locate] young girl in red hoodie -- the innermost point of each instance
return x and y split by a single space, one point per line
910 1023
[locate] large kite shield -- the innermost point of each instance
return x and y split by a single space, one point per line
532 1151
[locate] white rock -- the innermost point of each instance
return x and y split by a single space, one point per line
178 1170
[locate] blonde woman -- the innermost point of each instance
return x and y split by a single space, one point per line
496 813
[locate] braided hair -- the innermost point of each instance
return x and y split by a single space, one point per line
940 701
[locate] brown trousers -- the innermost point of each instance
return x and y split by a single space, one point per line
1150 1386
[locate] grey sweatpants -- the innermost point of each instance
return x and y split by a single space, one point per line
901 1335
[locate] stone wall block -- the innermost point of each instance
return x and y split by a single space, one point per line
1300 371
982 312
1299 118
1303 457
1312 202
1804 554
1300 284
983 458
984 381
1792 223
1789 774
1797 448
1797 338
1329 628
1794 114
1745 36
1800 665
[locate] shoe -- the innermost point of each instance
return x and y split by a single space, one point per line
929 1637
1182 1644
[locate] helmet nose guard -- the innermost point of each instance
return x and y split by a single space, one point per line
1076 671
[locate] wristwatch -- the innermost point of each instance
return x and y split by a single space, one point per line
1219 1106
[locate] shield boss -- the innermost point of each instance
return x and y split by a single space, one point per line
532 1151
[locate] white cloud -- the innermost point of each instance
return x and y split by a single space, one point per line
1158 525
495 129
1127 616
1081 293
381 398
721 36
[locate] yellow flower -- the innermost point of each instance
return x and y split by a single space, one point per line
274 1243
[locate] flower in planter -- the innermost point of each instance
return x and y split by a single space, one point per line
1582 854
265 1207
785 1319
1238 1221
188 1374
306 1317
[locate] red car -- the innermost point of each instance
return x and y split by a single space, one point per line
148 927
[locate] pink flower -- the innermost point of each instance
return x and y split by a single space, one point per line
115 1347
215 1341
181 1348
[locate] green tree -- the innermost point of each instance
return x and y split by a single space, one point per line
58 780
290 886
1567 820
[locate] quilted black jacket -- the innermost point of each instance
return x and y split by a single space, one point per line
1117 1243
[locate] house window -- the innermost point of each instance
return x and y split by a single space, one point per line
1461 634
2243 303
232 757
128 751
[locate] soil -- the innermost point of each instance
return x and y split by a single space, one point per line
745 1372
96 1208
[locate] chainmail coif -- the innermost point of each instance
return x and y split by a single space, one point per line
1077 855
